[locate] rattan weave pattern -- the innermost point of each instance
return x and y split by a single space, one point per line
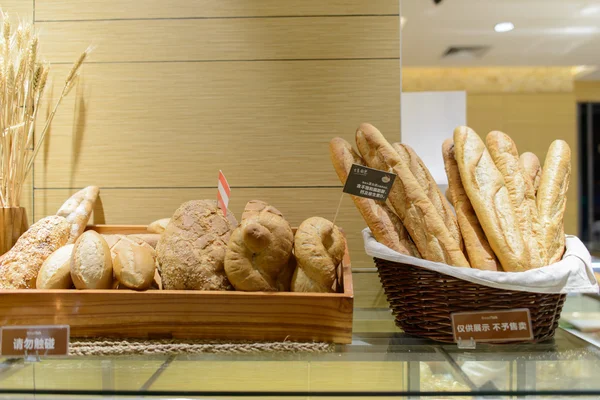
422 301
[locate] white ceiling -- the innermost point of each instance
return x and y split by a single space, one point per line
547 32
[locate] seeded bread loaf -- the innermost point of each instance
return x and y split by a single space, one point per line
19 267
191 251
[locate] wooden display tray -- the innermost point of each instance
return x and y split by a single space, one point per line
222 315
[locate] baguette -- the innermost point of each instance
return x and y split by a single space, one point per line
489 197
478 249
384 224
448 195
432 190
419 216
552 198
531 167
520 190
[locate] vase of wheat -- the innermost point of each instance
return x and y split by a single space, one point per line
23 79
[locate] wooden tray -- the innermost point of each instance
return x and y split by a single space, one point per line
222 315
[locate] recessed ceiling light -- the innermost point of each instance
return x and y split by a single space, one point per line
402 22
504 27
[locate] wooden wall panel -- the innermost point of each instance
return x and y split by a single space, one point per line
65 10
533 121
175 91
587 91
223 39
23 9
489 80
142 206
177 124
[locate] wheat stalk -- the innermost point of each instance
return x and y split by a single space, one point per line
23 79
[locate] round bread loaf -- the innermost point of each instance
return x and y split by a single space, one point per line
91 263
56 270
134 265
259 249
319 248
191 251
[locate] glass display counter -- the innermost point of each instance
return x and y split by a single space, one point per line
380 362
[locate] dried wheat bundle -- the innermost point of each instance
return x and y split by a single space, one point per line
22 81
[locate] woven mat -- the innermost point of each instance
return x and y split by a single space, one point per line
111 347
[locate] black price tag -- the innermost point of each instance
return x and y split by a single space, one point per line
368 182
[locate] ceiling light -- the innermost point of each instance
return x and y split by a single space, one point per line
402 22
590 10
504 27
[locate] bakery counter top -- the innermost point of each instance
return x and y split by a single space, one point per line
380 359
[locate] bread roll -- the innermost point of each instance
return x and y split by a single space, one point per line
158 226
91 263
149 238
420 218
384 224
115 240
134 265
191 251
111 239
520 191
552 198
319 248
478 249
432 190
531 167
258 253
19 266
56 270
489 197
78 210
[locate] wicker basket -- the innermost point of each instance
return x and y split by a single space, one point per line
423 300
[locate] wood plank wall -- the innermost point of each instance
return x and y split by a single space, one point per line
175 91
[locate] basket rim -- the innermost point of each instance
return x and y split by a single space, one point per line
573 274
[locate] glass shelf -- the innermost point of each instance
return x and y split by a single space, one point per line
380 361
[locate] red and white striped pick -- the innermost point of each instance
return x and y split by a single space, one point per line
223 193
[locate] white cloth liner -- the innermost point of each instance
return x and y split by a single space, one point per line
573 274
